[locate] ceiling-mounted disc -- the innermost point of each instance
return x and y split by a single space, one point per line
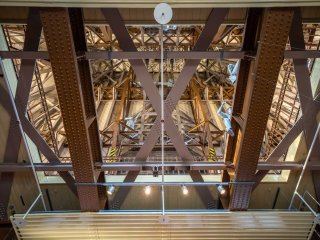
162 13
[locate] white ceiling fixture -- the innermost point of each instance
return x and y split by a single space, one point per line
162 13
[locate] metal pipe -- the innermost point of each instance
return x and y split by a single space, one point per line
32 206
312 230
15 228
162 120
305 165
5 76
305 202
171 184
306 192
148 166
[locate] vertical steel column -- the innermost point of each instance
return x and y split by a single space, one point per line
252 29
59 38
257 101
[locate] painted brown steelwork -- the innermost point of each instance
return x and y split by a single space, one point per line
115 20
309 106
79 38
14 136
69 87
109 55
257 101
281 149
32 39
253 22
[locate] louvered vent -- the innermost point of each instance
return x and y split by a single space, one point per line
182 225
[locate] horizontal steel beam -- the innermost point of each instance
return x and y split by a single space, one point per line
138 166
183 16
156 55
152 3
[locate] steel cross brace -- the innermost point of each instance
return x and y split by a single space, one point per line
114 19
32 39
280 149
38 140
309 106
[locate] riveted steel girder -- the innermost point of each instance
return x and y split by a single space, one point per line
252 29
74 108
260 88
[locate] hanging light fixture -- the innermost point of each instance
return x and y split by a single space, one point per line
110 190
147 190
185 190
221 189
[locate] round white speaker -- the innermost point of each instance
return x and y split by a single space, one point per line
162 13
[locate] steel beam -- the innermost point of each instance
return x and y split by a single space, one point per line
11 154
109 55
252 28
281 149
257 101
71 94
149 166
309 106
115 21
26 73
151 3
32 39
37 139
79 39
